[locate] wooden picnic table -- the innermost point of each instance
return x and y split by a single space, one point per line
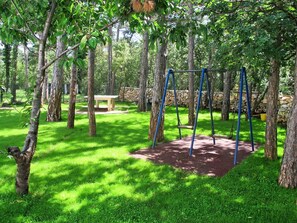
109 98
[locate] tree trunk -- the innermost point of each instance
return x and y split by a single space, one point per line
7 61
158 91
272 110
23 158
259 99
91 109
54 105
143 74
26 61
110 80
226 96
14 64
210 78
44 99
72 97
288 173
191 49
118 32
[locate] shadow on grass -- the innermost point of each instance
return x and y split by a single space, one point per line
77 178
128 190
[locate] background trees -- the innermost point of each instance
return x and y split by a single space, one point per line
258 35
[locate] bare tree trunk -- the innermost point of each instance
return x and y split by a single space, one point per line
226 96
73 90
288 173
26 60
110 80
7 61
191 50
23 158
158 91
143 74
118 32
54 105
91 109
272 110
44 99
210 78
14 64
259 99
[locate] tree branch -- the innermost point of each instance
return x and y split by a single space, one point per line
26 24
76 45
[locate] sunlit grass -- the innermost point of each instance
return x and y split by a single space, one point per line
77 178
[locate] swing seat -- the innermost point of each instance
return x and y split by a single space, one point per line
185 127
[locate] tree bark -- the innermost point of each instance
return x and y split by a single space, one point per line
191 49
23 158
73 90
272 110
226 96
14 65
110 84
158 91
45 92
91 109
54 105
26 61
288 173
7 61
118 32
143 74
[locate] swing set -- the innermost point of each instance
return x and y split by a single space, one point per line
204 76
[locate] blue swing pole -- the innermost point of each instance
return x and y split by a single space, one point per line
170 71
204 70
239 115
249 108
176 104
210 108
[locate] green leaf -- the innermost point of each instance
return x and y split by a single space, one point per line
83 42
92 42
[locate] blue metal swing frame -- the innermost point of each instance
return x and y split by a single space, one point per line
204 75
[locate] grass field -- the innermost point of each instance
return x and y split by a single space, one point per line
77 178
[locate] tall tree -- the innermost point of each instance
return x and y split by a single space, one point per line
54 105
272 110
158 90
23 158
191 50
91 109
226 96
7 61
73 90
110 79
14 64
143 74
26 61
288 173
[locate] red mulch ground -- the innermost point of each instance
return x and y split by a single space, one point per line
207 159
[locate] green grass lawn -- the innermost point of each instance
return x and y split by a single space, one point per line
77 178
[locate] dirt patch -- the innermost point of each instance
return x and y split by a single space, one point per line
207 159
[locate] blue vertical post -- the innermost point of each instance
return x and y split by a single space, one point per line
197 110
176 104
210 108
249 108
239 115
161 107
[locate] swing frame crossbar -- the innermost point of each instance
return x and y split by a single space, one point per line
204 77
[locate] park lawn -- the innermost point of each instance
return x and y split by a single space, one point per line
77 178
